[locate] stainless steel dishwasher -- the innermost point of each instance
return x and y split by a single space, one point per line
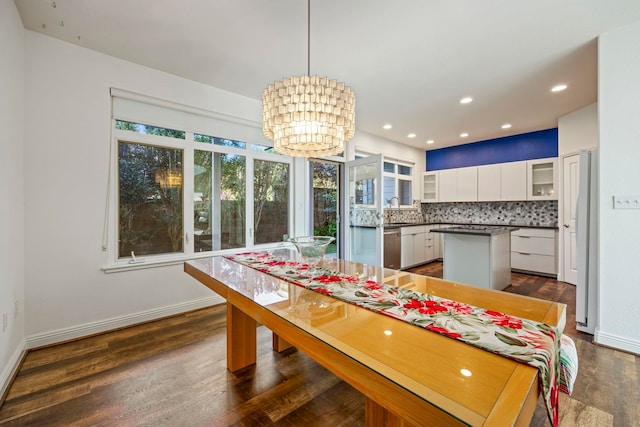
392 248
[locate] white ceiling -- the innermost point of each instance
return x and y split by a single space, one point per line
408 61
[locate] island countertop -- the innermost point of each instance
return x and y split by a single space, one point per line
476 230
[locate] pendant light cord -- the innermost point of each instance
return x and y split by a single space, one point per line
309 38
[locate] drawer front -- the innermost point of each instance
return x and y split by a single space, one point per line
415 229
429 253
535 232
533 245
532 262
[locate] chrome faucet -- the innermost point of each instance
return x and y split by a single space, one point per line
389 200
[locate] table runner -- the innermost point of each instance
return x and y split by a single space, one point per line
522 340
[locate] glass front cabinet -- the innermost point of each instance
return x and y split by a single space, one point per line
542 179
429 187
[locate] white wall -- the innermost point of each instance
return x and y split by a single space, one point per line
619 113
578 130
67 149
11 189
67 146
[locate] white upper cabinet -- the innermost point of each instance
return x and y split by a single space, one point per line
458 185
468 184
429 187
542 179
448 185
513 181
489 183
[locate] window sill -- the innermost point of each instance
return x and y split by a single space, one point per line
144 263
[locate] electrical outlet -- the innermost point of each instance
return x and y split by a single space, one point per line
626 202
5 321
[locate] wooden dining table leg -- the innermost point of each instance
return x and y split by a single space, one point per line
378 416
279 344
241 339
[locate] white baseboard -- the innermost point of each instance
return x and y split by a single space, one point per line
616 342
11 368
60 335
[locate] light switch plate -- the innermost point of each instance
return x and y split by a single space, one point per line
626 202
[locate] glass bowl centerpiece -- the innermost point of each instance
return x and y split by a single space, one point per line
312 248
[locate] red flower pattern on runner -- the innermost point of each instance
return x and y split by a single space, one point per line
370 284
458 307
431 307
328 279
413 304
502 319
443 331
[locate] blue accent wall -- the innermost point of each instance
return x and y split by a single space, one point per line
526 146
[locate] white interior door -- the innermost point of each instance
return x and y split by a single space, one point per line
365 208
570 174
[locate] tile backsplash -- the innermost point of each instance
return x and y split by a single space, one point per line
535 213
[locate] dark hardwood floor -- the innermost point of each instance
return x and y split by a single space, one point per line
172 372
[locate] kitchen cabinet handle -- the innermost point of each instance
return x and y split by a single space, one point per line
524 237
566 225
524 253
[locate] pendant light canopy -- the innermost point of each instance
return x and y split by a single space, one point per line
308 116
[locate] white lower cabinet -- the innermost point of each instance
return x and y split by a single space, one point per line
419 245
406 250
534 250
412 245
434 241
428 246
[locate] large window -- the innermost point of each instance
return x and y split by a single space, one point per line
219 201
397 184
270 200
149 199
181 192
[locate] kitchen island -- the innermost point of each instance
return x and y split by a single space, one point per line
427 378
477 255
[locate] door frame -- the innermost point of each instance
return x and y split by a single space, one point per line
561 210
377 207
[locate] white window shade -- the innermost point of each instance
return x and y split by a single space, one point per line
138 108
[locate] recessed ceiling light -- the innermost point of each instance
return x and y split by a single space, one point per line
466 100
464 135
506 126
558 88
387 126
431 141
411 135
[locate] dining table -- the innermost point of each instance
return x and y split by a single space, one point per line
409 376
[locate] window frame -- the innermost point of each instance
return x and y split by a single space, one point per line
397 176
188 147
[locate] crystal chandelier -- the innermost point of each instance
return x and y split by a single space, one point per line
308 116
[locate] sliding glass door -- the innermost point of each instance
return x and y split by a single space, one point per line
325 199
